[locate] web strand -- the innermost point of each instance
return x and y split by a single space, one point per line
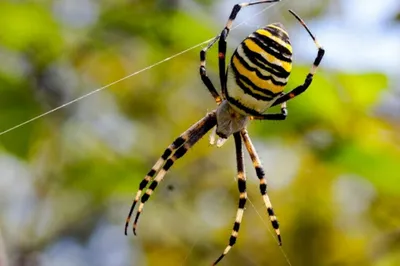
270 232
102 88
126 77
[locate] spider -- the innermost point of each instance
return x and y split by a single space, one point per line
253 82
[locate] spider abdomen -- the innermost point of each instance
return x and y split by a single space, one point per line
259 70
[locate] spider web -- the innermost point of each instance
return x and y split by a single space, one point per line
126 77
95 91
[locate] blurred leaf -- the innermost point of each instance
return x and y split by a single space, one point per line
189 30
29 27
363 89
378 166
17 105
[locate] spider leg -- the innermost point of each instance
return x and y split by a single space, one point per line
242 196
224 34
309 78
222 50
191 137
281 116
206 80
263 183
155 169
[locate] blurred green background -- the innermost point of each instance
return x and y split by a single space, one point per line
67 180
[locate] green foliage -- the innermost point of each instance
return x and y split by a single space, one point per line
28 28
76 170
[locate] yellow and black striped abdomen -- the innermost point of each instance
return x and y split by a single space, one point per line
259 70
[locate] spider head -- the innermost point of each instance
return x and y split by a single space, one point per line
229 121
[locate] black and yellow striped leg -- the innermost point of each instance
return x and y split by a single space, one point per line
263 183
192 135
206 80
242 196
281 116
224 34
222 49
300 89
167 153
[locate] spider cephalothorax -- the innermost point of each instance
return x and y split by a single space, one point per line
229 120
254 81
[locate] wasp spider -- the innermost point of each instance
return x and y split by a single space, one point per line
253 82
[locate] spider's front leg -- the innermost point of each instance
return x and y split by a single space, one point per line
175 151
241 175
154 170
263 182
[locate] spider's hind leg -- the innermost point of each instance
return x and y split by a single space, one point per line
309 78
204 77
221 38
